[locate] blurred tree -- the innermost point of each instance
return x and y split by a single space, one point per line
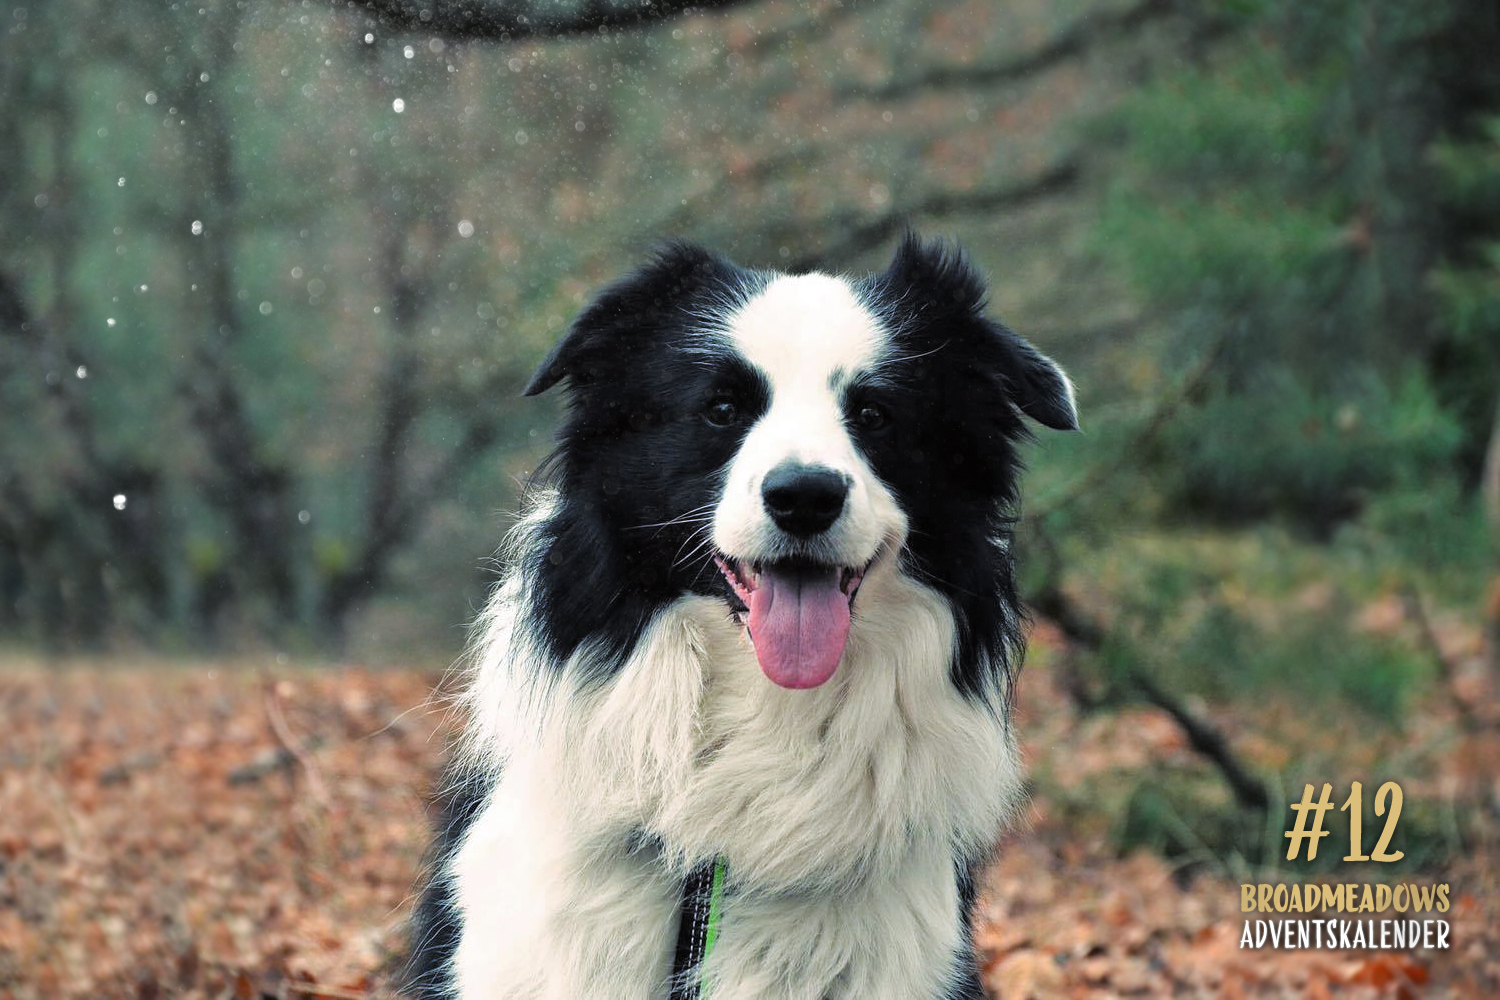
1467 286
113 530
61 556
1281 197
272 273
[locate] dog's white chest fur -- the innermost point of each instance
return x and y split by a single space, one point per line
833 461
840 811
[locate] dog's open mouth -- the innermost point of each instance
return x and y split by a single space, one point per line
797 614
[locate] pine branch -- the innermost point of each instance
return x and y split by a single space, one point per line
1070 43
862 234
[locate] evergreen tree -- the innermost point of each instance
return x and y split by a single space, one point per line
1281 197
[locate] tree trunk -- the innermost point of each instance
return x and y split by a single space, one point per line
252 489
1490 484
1490 488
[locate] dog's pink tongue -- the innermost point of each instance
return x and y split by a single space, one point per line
799 622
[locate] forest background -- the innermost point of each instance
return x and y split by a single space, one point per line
272 274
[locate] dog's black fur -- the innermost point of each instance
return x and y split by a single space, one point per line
633 451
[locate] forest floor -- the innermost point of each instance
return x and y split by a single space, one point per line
254 831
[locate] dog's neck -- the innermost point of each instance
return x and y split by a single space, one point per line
799 789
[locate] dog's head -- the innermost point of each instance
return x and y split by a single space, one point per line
775 438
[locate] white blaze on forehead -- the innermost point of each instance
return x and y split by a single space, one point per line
809 335
803 328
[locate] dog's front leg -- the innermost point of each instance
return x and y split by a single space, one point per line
899 937
549 914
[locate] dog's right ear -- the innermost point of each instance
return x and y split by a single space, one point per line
625 311
555 365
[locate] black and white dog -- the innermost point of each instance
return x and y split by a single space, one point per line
764 611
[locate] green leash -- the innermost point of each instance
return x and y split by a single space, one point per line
702 910
715 912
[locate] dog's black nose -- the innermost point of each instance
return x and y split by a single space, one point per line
804 500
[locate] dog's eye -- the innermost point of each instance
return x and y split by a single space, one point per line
871 417
722 412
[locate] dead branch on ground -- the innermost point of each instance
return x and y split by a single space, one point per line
1202 734
292 745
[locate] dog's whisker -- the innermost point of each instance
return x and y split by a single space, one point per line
682 519
705 543
687 515
678 559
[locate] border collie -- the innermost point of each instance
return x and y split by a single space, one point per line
762 614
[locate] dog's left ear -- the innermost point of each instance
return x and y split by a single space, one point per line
937 280
1042 390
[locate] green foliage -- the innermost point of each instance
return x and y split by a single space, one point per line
1225 652
1280 201
1432 534
1467 283
1256 614
1315 456
1186 815
1229 656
